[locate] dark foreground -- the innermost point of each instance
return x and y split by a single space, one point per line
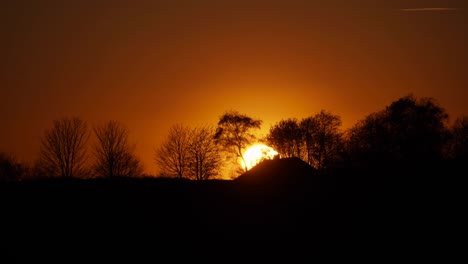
347 214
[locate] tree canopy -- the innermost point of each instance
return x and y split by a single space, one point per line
234 132
407 131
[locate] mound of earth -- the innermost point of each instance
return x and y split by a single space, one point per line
284 171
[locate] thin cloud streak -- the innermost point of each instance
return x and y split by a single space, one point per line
429 9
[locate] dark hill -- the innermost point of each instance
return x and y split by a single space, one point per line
287 177
279 170
282 203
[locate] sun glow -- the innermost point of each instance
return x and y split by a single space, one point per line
256 153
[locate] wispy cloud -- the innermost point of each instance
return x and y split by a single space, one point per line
429 9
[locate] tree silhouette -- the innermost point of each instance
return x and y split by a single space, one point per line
172 155
407 131
234 133
10 168
322 139
39 170
286 138
189 153
63 148
368 140
114 155
204 157
316 139
459 139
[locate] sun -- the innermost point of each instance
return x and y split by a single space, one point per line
256 153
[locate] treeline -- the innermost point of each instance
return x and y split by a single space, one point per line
409 133
64 153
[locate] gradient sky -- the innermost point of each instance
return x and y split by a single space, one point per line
151 64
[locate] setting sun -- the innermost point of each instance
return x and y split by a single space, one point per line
256 153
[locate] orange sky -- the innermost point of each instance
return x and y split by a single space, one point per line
153 64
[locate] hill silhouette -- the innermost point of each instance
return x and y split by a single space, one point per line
283 179
279 170
282 203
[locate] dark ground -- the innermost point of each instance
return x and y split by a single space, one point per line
281 208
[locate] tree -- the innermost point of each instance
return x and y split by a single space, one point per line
190 153
322 138
204 157
419 127
365 142
172 155
113 153
10 168
234 133
286 138
315 139
459 139
63 148
408 131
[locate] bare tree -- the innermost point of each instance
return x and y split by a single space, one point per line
204 154
234 133
63 148
114 154
172 155
189 153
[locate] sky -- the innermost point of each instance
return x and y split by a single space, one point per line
152 64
